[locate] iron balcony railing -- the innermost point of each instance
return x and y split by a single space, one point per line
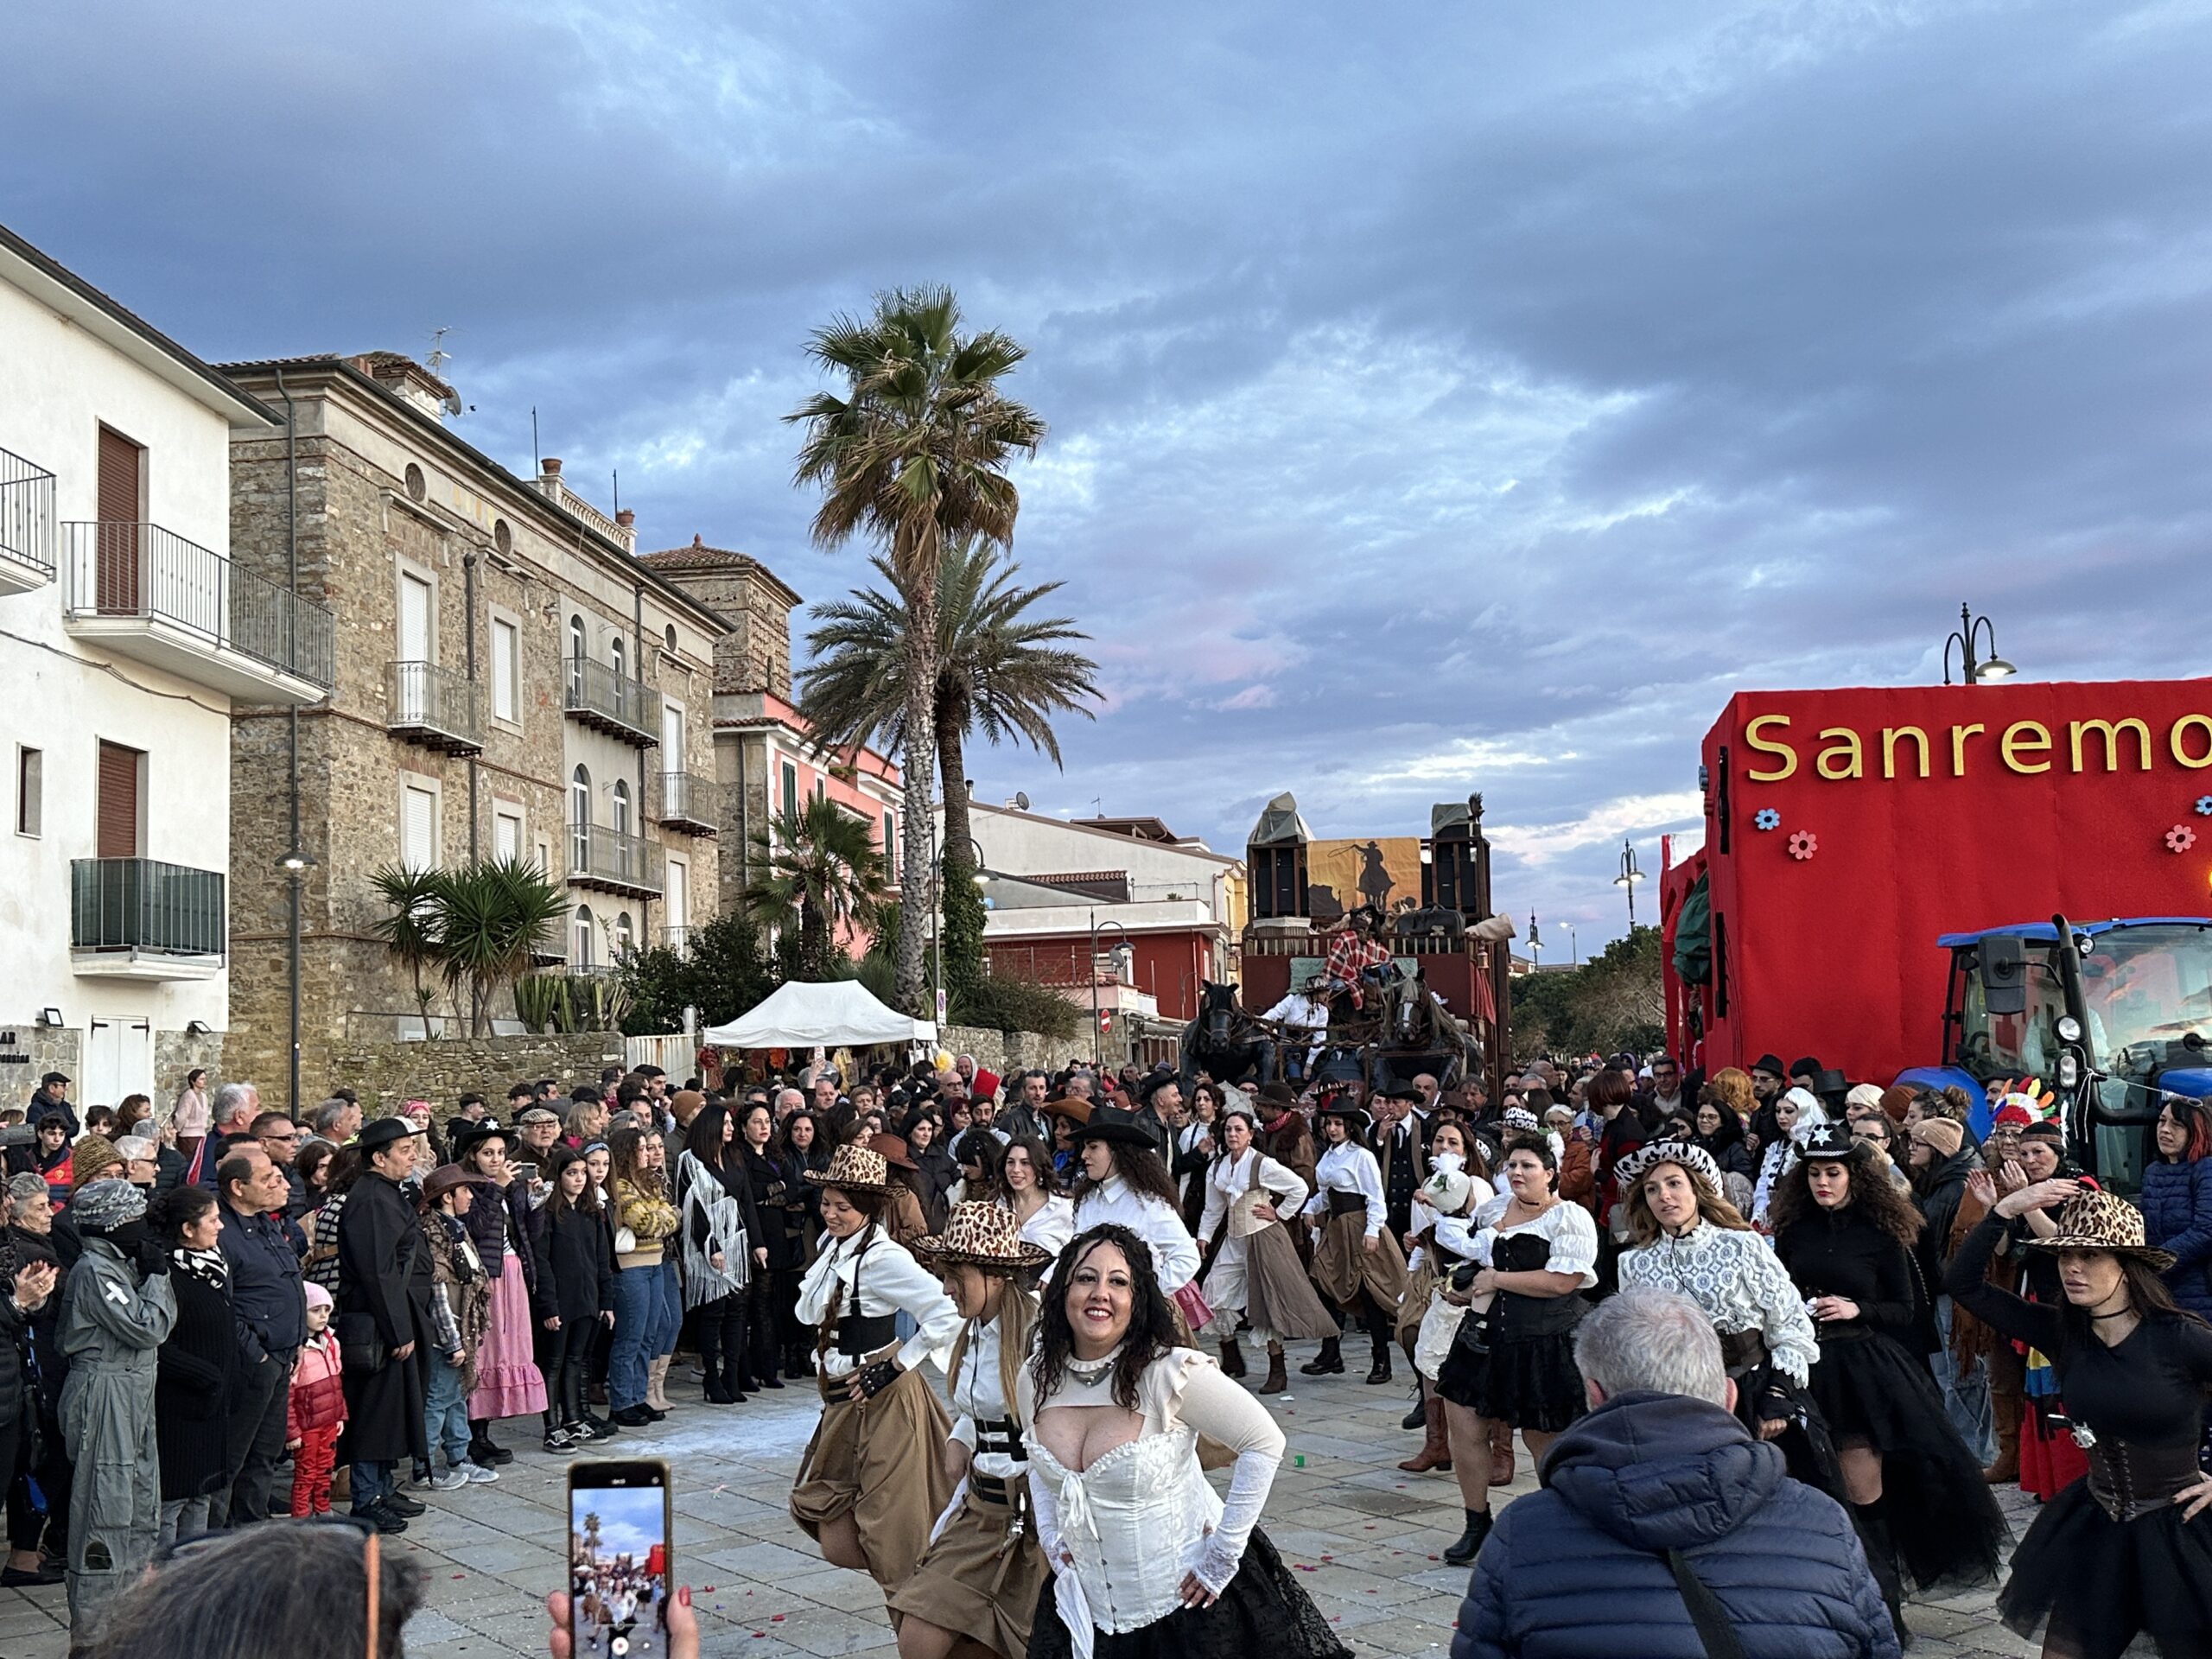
614 702
676 938
686 801
138 570
433 706
27 520
140 903
607 858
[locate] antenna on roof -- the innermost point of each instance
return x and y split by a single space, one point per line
1020 800
537 465
439 356
618 489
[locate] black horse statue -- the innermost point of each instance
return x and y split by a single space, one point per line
1224 1042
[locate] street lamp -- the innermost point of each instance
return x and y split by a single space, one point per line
1574 947
1095 927
936 912
1628 878
1536 942
1973 672
295 864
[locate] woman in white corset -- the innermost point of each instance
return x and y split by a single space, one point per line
1145 1559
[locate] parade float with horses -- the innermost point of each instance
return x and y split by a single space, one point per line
1431 996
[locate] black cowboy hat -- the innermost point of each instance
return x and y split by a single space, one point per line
1832 1143
1149 1086
1343 1106
1828 1083
1771 1064
1117 1127
476 1135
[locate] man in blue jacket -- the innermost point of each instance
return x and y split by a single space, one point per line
1658 1499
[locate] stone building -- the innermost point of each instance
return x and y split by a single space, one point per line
511 680
765 760
128 639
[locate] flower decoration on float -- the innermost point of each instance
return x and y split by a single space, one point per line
2204 806
2180 838
1804 845
1767 818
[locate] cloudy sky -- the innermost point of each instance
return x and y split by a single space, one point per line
1443 397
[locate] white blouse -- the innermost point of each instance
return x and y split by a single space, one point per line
1174 1253
891 1281
1741 1285
1051 1228
973 1389
1565 1226
1350 1168
1121 1534
1229 1180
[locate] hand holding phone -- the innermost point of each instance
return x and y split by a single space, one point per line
617 1606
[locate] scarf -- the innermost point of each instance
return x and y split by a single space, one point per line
206 1266
715 1213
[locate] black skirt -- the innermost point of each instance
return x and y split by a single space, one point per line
1526 1382
1262 1612
1941 1511
2098 1581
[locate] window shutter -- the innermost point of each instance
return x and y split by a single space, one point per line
506 836
504 654
118 495
418 829
119 802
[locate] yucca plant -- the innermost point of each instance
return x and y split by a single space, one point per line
413 929
493 913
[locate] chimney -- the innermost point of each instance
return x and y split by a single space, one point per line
549 467
625 529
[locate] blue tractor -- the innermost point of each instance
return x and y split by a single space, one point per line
2112 1020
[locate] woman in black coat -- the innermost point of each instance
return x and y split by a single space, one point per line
776 1291
197 1365
936 1173
575 1295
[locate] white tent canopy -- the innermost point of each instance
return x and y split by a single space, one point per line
836 1013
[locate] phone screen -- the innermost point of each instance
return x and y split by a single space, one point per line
618 1559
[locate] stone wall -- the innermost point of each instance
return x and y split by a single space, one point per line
31 1050
1008 1052
385 1073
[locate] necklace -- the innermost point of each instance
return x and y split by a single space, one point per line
1088 1371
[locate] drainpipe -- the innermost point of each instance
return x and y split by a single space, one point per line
468 597
645 800
292 761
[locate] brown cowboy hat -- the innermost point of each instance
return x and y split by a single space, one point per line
854 1169
892 1149
985 1235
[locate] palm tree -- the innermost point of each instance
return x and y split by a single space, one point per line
411 929
914 453
819 869
999 669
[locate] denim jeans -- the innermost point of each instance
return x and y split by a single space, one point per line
647 1310
445 1412
183 1518
1965 1395
373 1481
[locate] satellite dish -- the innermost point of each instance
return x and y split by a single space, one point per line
1020 800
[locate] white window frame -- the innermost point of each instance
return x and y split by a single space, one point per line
418 783
582 925
509 629
510 812
672 883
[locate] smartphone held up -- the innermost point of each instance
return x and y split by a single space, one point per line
619 1538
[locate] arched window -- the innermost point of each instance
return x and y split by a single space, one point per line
580 821
579 948
618 656
624 938
622 807
577 637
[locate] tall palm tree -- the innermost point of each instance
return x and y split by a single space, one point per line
914 453
999 670
819 869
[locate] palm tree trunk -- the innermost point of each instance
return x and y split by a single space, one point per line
952 769
918 833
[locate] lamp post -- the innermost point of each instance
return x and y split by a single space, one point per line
937 913
295 865
1974 670
1535 943
1574 947
1628 878
1096 926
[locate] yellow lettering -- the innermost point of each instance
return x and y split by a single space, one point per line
1852 762
1959 735
1889 736
1789 756
2111 732
2024 737
2186 724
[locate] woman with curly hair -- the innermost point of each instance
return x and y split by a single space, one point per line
1145 1559
1847 1238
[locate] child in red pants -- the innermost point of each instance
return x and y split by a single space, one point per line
317 1411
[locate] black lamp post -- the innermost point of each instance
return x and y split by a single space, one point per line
1628 878
1974 671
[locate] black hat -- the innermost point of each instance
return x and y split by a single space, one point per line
1400 1091
1343 1106
1829 1082
1278 1093
1149 1086
52 1077
1807 1067
1832 1143
476 1135
1117 1127
1771 1064
374 1136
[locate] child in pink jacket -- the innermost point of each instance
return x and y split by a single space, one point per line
317 1411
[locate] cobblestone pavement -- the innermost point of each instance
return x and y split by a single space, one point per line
1364 1539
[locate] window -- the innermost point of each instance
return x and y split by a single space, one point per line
545 857
670 637
416 486
577 637
579 939
890 847
580 821
118 822
502 537
506 835
672 738
676 897
506 668
617 656
791 788
30 792
418 828
622 807
626 938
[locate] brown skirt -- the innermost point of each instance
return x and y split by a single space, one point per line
980 1579
1420 1284
1278 1296
1344 1266
882 1462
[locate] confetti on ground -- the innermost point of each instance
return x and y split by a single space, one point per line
775 1618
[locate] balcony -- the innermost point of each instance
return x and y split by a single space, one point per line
614 862
27 526
146 593
686 802
613 703
139 919
433 707
678 939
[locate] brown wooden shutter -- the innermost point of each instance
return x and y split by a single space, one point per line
119 802
122 477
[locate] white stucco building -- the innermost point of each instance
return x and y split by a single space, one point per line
126 637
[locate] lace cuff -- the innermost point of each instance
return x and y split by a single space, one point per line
1223 1551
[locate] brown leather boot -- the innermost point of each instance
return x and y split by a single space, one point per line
2005 1406
1501 1454
1435 1448
1278 1381
1232 1357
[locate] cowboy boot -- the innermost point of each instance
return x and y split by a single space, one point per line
657 1386
1232 1357
1330 1361
2005 1405
1462 1552
1378 1333
1277 1382
1501 1454
1435 1448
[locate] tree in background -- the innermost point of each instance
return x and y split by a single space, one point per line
723 971
1001 670
914 454
1613 1003
477 926
818 871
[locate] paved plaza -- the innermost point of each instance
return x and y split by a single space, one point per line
1364 1539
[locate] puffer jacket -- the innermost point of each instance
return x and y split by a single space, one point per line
318 1396
2176 1203
1578 1570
